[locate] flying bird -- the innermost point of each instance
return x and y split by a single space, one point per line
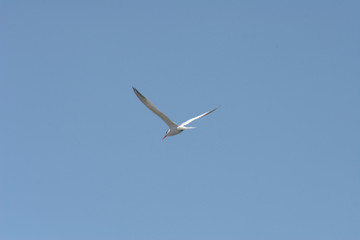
173 127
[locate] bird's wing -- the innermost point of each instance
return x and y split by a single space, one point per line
193 119
152 107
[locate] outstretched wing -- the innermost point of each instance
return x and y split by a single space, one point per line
152 107
193 119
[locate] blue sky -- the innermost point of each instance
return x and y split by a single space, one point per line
82 157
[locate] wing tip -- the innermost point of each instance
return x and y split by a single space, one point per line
139 95
215 108
136 91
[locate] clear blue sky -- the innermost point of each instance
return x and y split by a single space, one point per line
82 158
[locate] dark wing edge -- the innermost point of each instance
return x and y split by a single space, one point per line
154 109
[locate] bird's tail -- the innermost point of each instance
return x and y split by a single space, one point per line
185 128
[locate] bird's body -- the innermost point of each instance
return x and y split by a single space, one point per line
174 129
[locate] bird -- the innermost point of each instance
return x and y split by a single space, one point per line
174 128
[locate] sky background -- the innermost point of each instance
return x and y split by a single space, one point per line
82 158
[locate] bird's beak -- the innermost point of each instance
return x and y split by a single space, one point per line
164 137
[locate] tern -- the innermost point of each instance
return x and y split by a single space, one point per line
173 127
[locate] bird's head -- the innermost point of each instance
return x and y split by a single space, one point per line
166 134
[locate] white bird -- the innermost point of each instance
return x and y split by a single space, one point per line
173 127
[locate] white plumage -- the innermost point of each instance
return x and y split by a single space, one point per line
173 127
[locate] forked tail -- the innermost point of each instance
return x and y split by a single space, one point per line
185 128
